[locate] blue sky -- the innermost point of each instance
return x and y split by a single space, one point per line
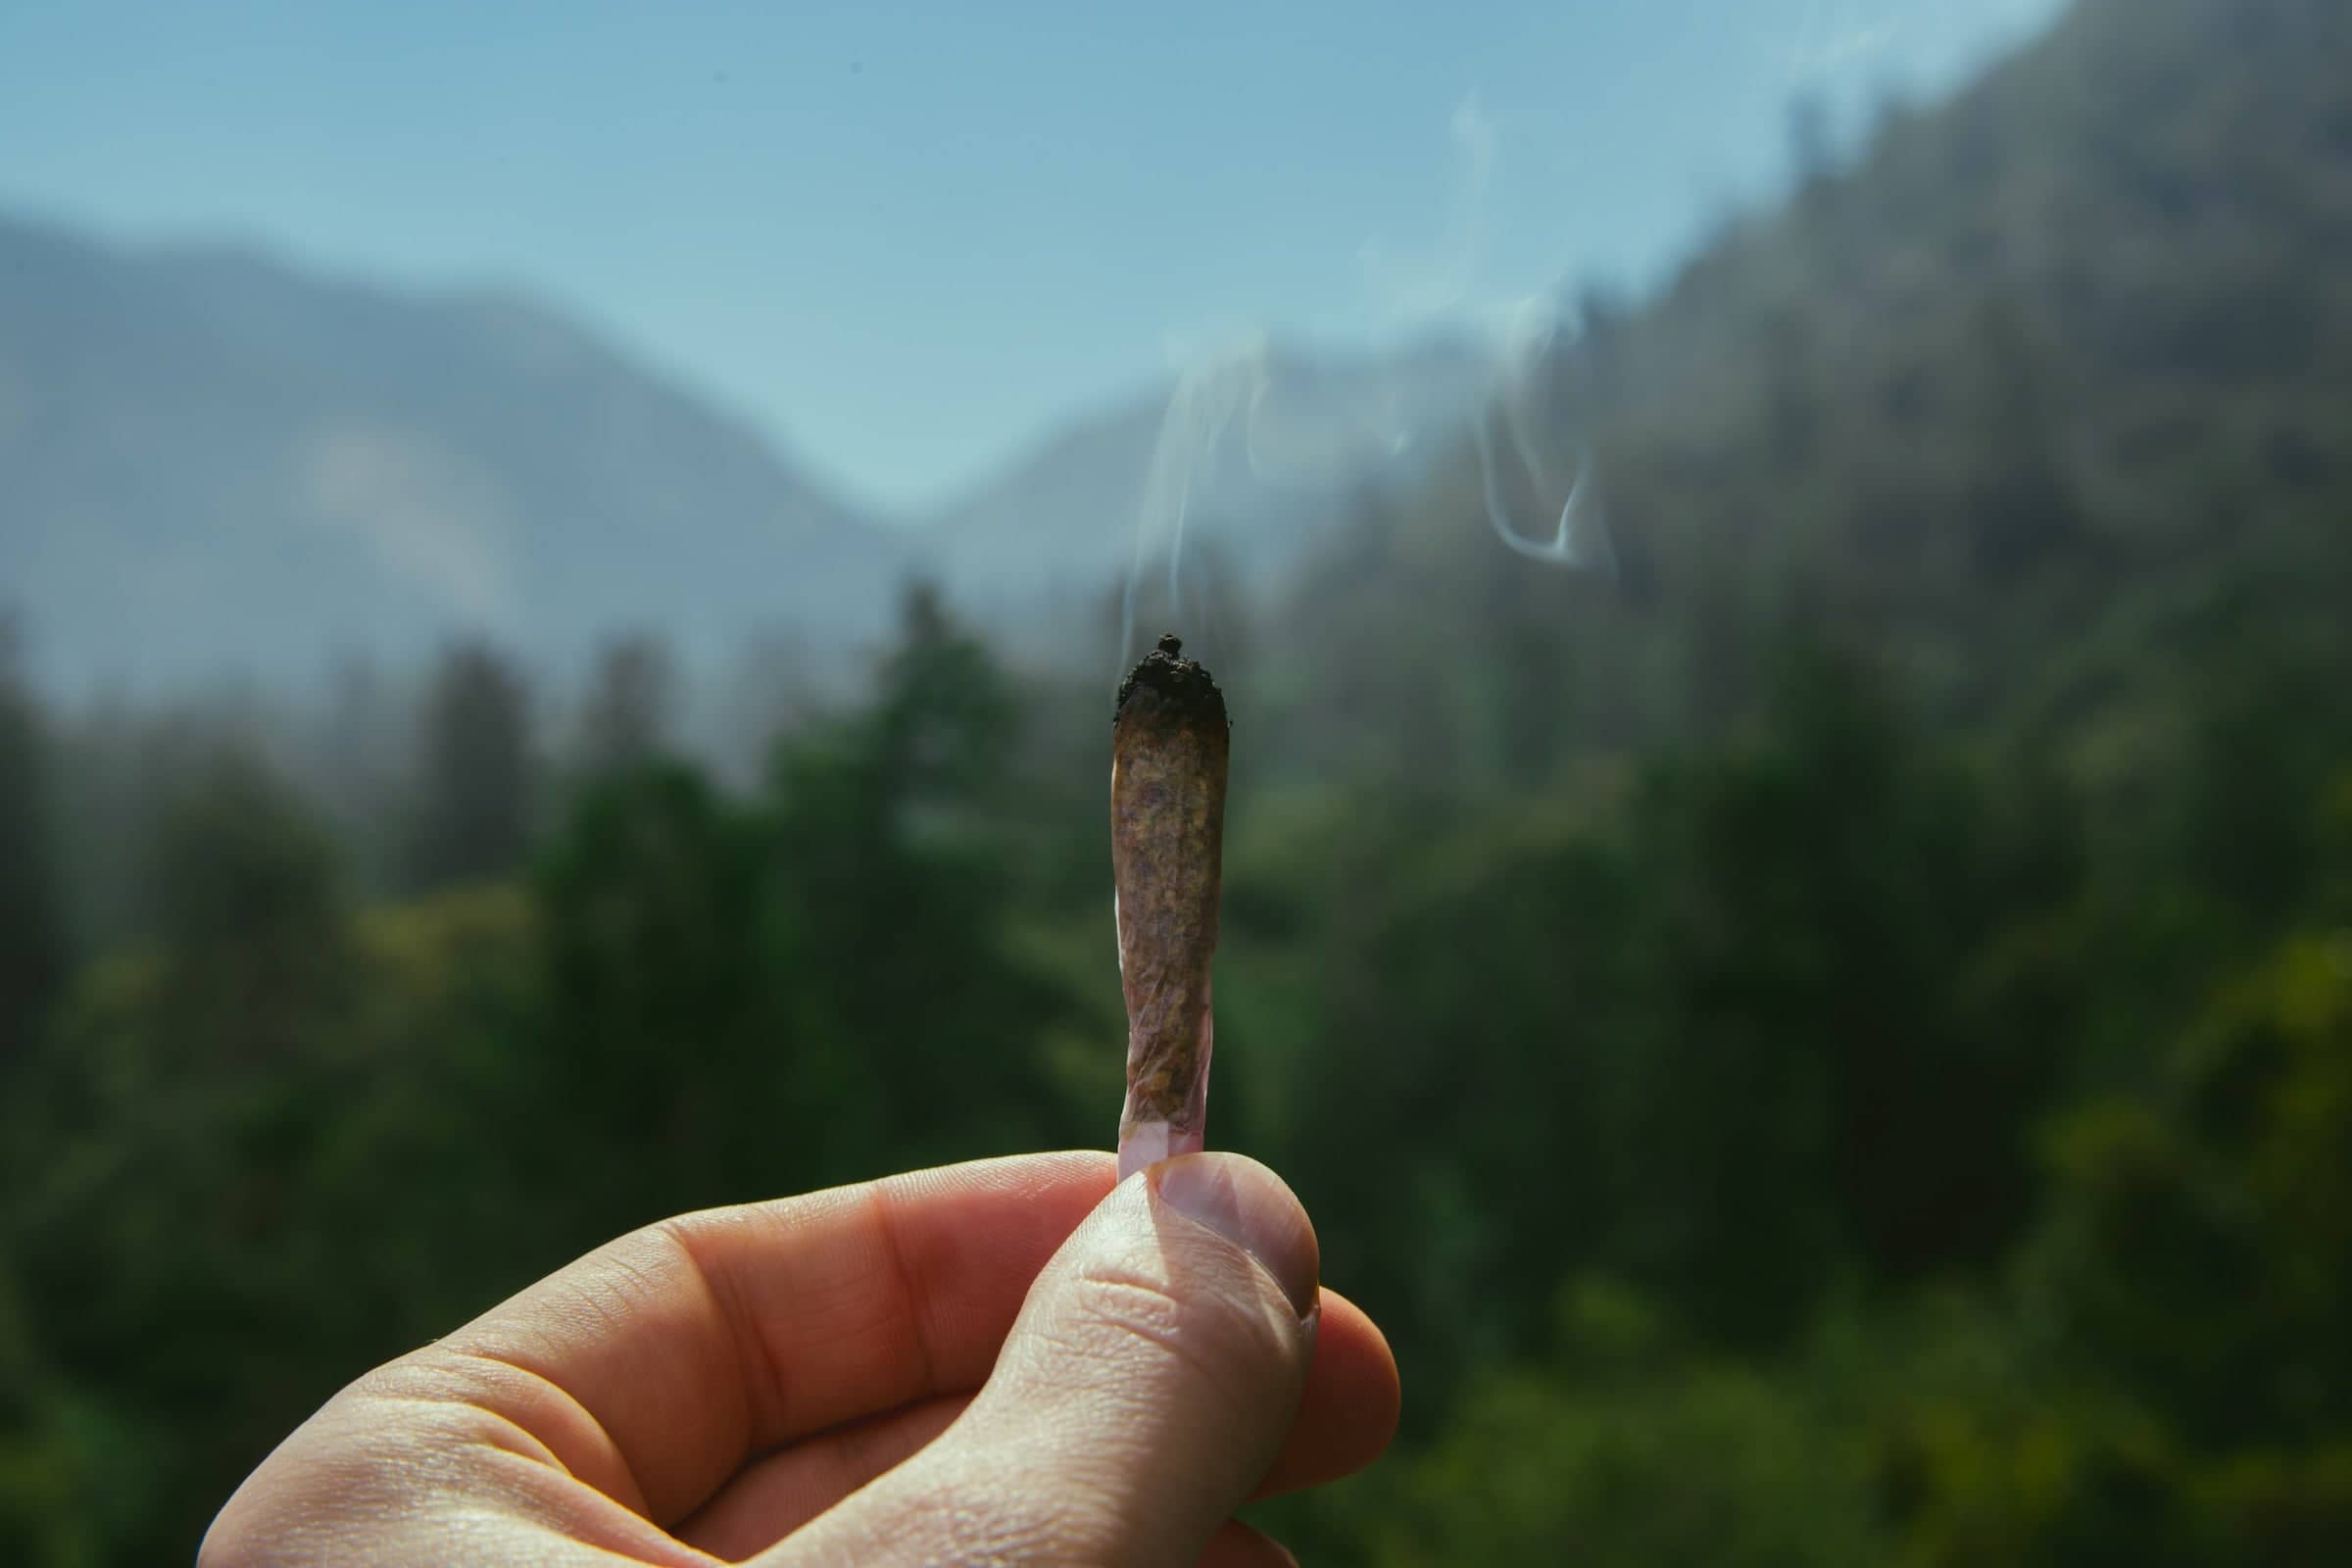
906 239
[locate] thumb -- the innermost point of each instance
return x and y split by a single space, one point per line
1142 1394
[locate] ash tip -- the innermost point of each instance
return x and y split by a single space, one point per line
1181 682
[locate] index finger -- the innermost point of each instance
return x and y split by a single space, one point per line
655 1367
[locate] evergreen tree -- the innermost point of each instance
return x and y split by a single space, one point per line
477 785
33 933
244 892
628 718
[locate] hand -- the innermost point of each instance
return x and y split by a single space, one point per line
989 1363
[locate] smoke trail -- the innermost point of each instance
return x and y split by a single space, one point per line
1580 538
1240 424
1240 418
1192 439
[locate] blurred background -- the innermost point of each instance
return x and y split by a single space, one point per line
1781 571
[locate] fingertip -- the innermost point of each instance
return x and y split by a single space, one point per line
1154 1371
1363 1368
1239 1545
1349 1411
1248 1204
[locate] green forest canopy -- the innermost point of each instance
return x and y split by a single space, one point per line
1834 1047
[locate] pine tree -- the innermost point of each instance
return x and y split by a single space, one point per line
33 937
628 718
479 776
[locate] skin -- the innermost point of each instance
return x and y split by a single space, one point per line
1007 1363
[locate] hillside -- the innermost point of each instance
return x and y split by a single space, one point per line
1829 1044
214 462
2046 401
1267 447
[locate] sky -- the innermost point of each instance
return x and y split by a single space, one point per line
906 240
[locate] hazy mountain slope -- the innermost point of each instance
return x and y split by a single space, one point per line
208 460
1063 513
2047 402
1267 447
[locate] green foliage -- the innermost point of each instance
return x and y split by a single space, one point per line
310 1140
153 1140
626 720
476 795
1624 1447
34 953
2202 1249
1835 1048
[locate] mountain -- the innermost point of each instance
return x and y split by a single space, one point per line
210 461
2046 400
1260 450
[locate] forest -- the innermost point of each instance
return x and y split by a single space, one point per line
1828 1045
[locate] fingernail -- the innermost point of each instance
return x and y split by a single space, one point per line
1249 1206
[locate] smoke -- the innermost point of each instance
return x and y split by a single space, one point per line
1208 395
1833 38
1580 538
1248 427
1409 290
1852 47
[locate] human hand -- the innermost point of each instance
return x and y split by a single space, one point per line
987 1363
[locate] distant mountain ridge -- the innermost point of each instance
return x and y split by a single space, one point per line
2056 362
212 462
1267 446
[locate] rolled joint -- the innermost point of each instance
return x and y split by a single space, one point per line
1169 747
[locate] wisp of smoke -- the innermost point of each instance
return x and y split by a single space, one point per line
1239 420
1200 410
1580 539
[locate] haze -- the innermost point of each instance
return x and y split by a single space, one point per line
906 240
